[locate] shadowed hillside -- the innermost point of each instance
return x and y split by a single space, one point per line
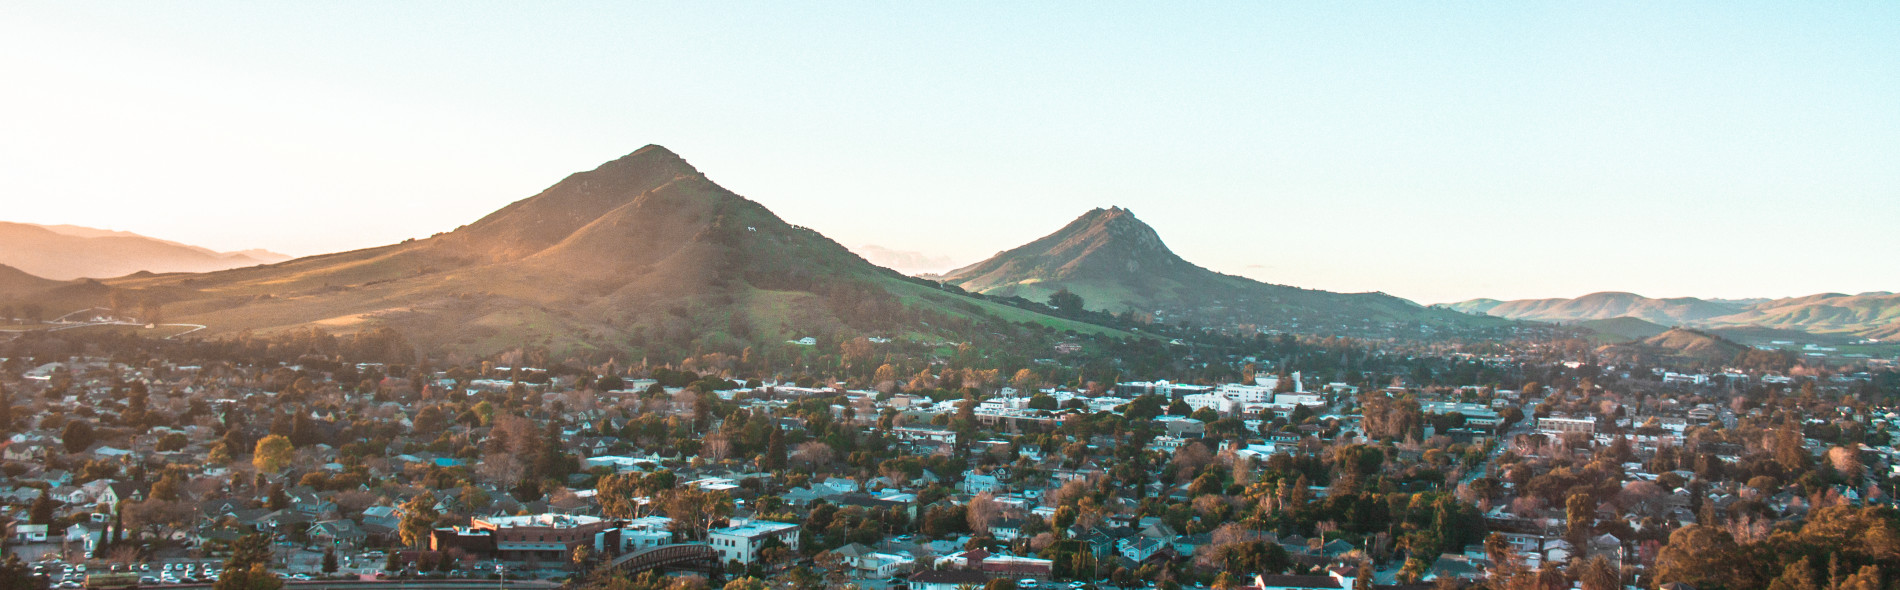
1620 330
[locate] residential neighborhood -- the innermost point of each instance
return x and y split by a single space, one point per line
362 470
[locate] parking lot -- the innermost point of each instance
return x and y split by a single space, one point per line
69 575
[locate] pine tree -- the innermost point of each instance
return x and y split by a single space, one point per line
42 510
775 455
6 409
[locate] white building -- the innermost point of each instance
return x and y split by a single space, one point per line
1559 425
646 532
742 541
913 433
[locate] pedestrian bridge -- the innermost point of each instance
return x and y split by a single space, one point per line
694 557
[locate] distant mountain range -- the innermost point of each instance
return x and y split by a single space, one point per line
1867 315
641 253
1117 263
63 252
904 261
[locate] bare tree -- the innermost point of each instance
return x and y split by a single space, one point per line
813 454
502 469
982 511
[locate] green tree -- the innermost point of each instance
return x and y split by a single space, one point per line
582 557
272 453
486 411
418 518
77 436
1026 381
1699 555
329 560
1066 301
1042 401
616 494
775 454
16 575
249 566
1799 575
1598 573
42 510
746 583
1579 515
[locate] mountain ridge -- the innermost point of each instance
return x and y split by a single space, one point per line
1871 315
641 253
1118 263
65 252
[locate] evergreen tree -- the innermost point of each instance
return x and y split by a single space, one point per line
775 455
249 566
16 575
42 510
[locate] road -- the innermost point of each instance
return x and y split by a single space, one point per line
398 585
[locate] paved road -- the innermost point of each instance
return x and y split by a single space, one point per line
398 584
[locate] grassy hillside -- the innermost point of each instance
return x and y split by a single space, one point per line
1118 264
1678 344
1602 306
1873 315
1870 315
643 254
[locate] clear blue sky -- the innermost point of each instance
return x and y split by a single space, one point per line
1437 151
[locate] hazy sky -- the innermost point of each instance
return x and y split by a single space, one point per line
1437 151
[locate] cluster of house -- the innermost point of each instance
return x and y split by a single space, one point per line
548 531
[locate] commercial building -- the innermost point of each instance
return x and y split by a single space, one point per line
547 538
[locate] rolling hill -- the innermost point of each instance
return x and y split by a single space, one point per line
1602 306
1875 315
1867 315
63 252
13 280
1623 329
1118 264
1680 344
643 253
